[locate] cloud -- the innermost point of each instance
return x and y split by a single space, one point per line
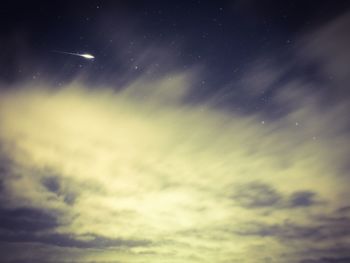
62 240
260 195
256 195
25 219
302 198
54 185
141 169
333 229
335 253
329 47
327 260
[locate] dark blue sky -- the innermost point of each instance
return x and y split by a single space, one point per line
224 37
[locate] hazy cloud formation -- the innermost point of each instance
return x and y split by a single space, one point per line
139 174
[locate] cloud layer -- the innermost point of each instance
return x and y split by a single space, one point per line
91 174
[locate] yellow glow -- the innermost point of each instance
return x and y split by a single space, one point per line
150 167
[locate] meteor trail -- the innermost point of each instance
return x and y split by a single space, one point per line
85 55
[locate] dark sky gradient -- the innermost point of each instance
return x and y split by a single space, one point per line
224 35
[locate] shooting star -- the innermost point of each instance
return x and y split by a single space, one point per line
84 55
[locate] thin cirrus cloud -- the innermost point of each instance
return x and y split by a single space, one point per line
140 174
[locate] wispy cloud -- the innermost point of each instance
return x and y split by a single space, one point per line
140 173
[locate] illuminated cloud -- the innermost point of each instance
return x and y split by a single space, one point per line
141 175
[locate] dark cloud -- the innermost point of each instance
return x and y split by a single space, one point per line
344 209
6 174
63 240
25 220
5 163
261 195
59 261
25 225
54 184
255 195
323 228
69 241
302 198
338 252
327 260
315 68
283 231
328 47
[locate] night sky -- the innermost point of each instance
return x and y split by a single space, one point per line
201 131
